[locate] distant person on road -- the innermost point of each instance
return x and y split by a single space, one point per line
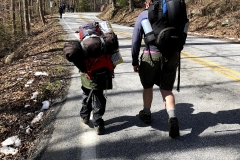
102 8
60 10
153 68
63 7
68 8
71 9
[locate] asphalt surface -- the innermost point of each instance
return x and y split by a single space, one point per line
207 108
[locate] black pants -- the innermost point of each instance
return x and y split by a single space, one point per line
96 104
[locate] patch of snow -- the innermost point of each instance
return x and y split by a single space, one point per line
22 72
28 130
37 118
26 106
30 81
14 140
41 74
46 105
35 94
8 150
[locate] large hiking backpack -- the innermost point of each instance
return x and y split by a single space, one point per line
169 22
96 42
92 54
97 48
168 19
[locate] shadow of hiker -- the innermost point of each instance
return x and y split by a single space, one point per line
201 121
197 123
122 123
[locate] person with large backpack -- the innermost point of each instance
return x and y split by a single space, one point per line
157 65
92 55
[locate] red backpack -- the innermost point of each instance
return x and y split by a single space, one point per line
95 66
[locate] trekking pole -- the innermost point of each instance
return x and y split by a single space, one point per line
106 86
179 66
89 95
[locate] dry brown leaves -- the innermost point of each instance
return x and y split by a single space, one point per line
42 52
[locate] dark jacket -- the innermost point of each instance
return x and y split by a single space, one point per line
73 53
60 9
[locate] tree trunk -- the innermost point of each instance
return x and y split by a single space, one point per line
30 10
94 5
13 17
41 11
37 3
26 20
20 16
44 6
113 4
131 6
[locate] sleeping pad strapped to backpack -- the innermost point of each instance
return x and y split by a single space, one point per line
92 55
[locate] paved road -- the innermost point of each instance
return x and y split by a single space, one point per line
207 108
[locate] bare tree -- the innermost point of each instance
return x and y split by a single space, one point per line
25 17
20 15
30 10
131 5
113 4
41 11
94 5
44 6
13 14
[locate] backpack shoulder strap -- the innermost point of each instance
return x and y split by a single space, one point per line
83 48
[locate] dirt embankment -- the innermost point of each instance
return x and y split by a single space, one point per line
215 19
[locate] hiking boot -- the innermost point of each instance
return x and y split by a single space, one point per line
85 119
173 127
146 118
99 129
